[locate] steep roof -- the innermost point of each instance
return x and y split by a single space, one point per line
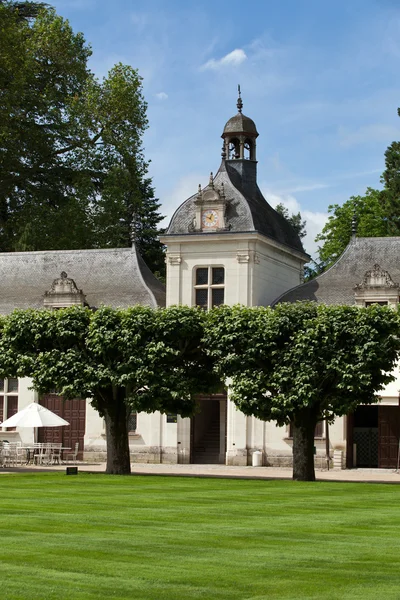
247 209
113 277
336 285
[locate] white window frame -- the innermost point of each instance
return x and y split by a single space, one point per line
6 394
208 286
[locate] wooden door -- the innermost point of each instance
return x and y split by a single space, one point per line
388 440
73 411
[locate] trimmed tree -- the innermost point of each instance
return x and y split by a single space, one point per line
301 363
138 359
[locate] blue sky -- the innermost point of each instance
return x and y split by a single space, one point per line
320 79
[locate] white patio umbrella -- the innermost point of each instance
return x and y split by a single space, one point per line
34 415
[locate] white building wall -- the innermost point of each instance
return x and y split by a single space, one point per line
25 397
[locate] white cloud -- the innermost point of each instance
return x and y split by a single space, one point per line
139 20
315 220
184 189
161 95
233 59
368 133
306 187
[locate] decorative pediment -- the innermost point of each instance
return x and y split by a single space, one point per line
211 194
376 278
64 292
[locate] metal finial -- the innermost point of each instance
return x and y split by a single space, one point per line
211 183
133 229
239 102
354 225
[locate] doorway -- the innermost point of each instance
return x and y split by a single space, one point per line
208 430
73 411
365 436
373 437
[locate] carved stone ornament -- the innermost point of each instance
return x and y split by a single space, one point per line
210 194
376 278
63 293
243 257
174 259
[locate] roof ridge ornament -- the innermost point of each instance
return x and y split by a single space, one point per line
354 225
239 103
211 182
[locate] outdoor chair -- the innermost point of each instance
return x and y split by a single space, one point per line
11 453
55 456
39 453
72 455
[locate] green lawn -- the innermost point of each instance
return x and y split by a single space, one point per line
99 536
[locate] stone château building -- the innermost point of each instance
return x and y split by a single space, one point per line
225 245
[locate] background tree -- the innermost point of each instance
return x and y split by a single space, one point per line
25 10
296 221
139 359
371 221
72 169
302 363
390 197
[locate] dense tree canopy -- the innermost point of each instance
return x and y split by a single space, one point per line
370 218
302 363
72 169
377 213
138 359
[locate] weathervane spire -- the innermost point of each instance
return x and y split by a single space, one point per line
354 225
239 102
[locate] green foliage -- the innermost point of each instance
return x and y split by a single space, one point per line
25 10
378 212
303 362
154 356
72 170
124 360
295 220
304 354
391 192
371 222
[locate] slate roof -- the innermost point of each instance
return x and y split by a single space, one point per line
336 285
113 277
240 124
247 209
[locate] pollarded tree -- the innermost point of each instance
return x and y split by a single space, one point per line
302 363
138 359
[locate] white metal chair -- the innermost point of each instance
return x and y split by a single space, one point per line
11 454
72 455
55 456
39 453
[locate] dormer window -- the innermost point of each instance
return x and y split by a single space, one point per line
63 293
377 287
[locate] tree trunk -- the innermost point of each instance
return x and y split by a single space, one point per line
118 459
303 446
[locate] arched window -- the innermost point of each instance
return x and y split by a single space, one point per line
234 149
248 149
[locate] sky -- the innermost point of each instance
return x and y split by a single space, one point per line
320 79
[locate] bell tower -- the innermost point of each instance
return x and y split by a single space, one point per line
239 136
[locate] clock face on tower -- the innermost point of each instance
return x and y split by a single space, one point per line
210 219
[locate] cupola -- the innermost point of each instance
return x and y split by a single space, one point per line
239 136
